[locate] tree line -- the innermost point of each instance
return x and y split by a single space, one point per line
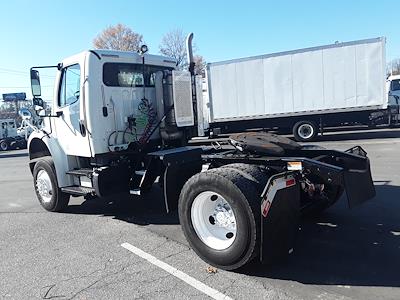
172 44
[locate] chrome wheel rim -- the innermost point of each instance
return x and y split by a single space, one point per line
44 186
213 220
305 131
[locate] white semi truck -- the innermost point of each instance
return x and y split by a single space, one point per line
120 120
9 137
304 90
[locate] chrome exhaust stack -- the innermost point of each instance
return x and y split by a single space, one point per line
189 53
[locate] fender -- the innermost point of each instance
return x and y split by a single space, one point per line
41 144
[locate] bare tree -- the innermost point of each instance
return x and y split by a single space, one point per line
173 44
393 67
200 64
118 37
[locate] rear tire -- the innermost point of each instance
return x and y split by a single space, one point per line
46 186
254 173
203 224
305 131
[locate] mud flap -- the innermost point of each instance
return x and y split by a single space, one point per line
179 165
357 177
280 211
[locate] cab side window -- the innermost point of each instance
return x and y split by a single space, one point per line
70 85
395 85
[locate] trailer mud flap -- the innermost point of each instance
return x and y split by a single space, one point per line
280 211
357 176
359 184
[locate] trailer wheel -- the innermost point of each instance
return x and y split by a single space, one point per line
46 186
219 213
305 131
4 145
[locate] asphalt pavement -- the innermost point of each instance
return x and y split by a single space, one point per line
342 254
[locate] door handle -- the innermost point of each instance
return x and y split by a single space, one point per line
82 128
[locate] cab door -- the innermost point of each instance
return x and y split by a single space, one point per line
70 126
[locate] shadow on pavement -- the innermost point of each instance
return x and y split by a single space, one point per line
360 134
146 210
358 247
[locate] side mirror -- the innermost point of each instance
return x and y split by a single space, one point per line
35 83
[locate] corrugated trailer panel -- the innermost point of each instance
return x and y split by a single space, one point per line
278 85
307 74
339 77
330 78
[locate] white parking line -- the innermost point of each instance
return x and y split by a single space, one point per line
175 272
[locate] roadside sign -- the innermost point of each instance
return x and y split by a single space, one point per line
14 97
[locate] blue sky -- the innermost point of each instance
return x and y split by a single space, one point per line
42 32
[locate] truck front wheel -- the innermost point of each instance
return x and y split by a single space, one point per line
46 186
305 131
4 145
219 217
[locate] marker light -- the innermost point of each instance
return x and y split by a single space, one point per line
143 49
294 166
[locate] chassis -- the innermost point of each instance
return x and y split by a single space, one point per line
254 187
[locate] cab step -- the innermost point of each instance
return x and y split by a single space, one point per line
136 192
81 172
138 180
78 190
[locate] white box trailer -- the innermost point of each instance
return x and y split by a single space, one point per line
303 90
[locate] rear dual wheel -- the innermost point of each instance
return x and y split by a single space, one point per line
219 211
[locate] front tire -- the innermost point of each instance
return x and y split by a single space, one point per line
4 145
218 215
46 186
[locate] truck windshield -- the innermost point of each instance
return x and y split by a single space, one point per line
395 85
130 75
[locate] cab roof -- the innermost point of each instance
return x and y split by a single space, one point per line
135 57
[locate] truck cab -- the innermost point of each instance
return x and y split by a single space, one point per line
8 128
9 138
108 108
393 88
98 95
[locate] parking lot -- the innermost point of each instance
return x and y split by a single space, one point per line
78 254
